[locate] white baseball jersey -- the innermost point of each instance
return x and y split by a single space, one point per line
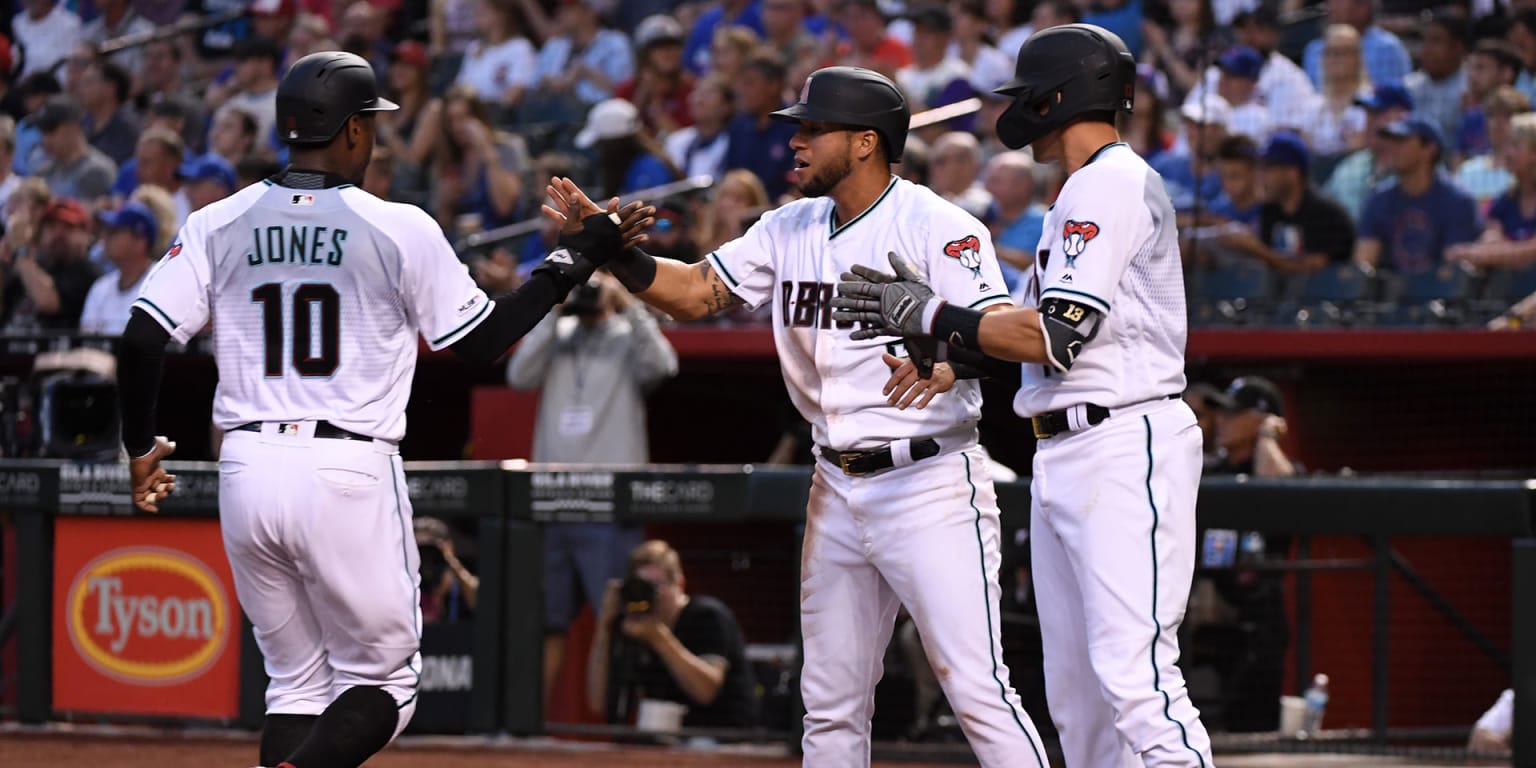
1110 243
318 296
794 257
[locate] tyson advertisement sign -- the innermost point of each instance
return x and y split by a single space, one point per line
144 618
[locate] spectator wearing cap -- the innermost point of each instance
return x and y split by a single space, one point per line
276 19
104 89
585 60
1491 64
1509 236
74 168
253 84
33 91
1386 59
700 149
660 87
500 65
129 246
205 181
1357 175
1016 218
1300 230
1407 226
1283 86
759 143
117 19
1438 83
1485 176
45 285
784 30
954 165
1336 122
1238 85
628 159
934 78
46 32
972 44
1189 171
728 13
869 44
1249 428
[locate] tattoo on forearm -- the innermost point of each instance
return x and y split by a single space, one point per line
720 296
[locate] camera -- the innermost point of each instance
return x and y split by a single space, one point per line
637 597
585 301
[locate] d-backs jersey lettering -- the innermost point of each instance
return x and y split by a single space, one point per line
793 258
1110 243
318 295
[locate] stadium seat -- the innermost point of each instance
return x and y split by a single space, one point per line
1438 296
1231 294
1337 294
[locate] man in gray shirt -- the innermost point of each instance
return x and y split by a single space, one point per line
595 361
74 169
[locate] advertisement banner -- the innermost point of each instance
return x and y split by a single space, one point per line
144 618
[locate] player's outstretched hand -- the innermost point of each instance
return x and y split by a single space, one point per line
883 304
908 387
149 481
570 206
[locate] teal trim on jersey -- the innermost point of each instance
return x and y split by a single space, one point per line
1157 634
986 299
1084 294
405 560
166 318
1101 150
835 230
467 323
267 182
714 258
981 552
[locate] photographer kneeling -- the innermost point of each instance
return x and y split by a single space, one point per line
654 641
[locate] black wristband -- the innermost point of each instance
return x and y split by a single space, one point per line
634 268
958 327
598 240
567 274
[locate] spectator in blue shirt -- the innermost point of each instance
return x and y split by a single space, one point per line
1509 238
628 159
1386 59
1358 175
1189 172
1237 165
1407 226
758 142
730 13
1122 17
1016 219
1490 64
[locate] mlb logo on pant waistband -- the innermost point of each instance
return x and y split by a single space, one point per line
288 428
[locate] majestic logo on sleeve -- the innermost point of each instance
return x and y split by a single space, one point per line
968 251
1074 238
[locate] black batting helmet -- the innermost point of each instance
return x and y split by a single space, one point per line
321 92
1088 66
858 97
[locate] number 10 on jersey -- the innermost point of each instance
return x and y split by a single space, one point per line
316 310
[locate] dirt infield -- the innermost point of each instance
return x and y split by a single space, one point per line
62 747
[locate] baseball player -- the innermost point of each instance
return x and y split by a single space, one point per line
902 509
318 291
1118 461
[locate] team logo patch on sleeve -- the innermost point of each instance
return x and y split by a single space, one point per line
966 250
1074 238
175 249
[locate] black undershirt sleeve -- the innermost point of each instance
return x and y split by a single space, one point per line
514 316
140 362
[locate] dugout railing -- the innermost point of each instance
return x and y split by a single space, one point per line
49 503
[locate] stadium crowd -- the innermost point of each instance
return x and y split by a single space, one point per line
1340 163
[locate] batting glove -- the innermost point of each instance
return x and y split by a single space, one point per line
884 304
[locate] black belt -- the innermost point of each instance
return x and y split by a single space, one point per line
1056 422
322 429
856 463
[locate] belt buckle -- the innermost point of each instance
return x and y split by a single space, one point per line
842 461
1040 432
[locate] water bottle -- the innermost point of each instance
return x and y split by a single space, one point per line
1317 703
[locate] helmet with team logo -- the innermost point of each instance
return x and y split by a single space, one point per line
1063 73
321 92
857 97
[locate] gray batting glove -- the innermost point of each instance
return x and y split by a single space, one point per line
883 304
